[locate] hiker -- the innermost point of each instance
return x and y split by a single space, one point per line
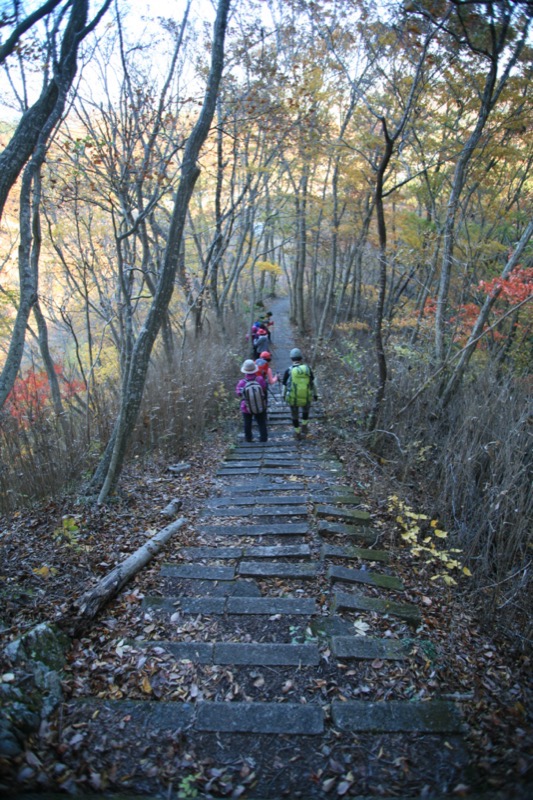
264 370
252 391
263 366
268 323
298 391
259 339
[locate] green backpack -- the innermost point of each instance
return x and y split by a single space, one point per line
298 389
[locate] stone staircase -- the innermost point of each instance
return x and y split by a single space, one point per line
285 566
299 644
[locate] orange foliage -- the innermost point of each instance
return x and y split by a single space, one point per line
30 398
516 288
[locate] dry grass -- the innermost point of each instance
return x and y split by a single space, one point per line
470 466
181 402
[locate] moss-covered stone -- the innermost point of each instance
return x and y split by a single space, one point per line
44 643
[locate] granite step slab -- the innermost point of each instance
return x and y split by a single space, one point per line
285 606
266 529
319 472
277 570
266 654
362 532
228 472
396 716
354 517
352 552
366 647
259 551
256 511
261 486
241 653
340 499
235 604
198 572
251 500
347 575
260 718
167 716
211 588
358 602
264 486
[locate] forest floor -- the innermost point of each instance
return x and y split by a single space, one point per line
51 554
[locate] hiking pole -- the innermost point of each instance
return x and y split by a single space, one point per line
270 391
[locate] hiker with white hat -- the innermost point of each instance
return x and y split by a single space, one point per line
252 392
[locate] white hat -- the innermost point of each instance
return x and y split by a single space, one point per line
249 367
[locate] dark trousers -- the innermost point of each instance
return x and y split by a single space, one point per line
261 420
295 414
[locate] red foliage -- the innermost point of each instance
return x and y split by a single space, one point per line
516 288
30 398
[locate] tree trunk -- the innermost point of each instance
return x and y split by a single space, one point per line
43 114
110 466
482 319
92 601
491 92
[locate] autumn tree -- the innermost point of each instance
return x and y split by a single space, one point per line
135 375
30 140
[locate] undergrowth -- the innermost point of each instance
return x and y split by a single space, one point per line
469 466
182 401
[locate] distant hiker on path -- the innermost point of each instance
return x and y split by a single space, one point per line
298 391
259 338
252 391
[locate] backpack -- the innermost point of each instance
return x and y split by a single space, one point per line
262 367
298 387
261 343
254 397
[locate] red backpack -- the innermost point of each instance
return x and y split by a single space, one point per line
262 367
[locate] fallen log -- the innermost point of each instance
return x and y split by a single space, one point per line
94 599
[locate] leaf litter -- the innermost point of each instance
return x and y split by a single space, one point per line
451 657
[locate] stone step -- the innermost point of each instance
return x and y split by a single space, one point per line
348 575
256 511
396 716
264 569
242 653
259 551
363 533
251 500
200 587
351 552
225 472
358 602
353 516
365 647
336 498
305 472
279 718
169 717
233 604
198 572
245 529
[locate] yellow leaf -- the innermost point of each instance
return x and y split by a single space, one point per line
44 572
449 581
434 523
466 571
440 534
146 686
